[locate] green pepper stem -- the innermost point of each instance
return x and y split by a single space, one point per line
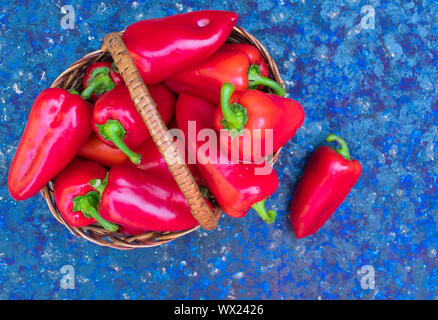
99 184
99 82
87 204
343 147
113 131
267 215
235 115
255 79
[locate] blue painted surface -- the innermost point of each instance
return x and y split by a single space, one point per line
374 87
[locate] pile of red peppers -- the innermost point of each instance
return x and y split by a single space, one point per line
95 148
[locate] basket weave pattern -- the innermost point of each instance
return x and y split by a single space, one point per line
72 79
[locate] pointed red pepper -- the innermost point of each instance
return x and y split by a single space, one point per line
75 198
243 112
237 187
99 78
58 125
141 200
96 150
160 47
255 60
117 122
239 64
327 179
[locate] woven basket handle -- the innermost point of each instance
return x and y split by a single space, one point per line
147 108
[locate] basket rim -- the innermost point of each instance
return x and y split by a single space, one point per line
117 240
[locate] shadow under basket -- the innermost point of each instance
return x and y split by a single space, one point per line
72 79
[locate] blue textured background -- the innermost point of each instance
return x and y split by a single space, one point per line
374 87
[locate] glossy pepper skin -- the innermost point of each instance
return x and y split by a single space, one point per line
160 47
141 200
100 77
75 198
117 122
58 124
243 112
130 231
239 64
327 179
237 187
97 150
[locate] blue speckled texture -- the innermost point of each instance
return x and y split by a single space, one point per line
374 87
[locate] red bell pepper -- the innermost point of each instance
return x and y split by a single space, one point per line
239 64
96 150
237 187
243 112
58 124
75 198
327 179
117 122
99 78
163 46
141 200
255 59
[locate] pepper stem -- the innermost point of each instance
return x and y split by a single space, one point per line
235 115
113 131
99 82
87 204
343 148
99 184
267 215
255 79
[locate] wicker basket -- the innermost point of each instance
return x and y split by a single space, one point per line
113 48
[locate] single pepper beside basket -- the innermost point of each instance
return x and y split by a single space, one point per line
160 47
117 122
100 77
239 64
75 198
58 125
237 187
141 200
241 113
327 179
